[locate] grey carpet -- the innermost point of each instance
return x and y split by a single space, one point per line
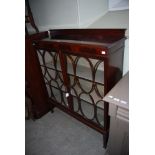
60 134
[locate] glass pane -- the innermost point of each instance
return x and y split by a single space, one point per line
100 116
85 85
57 94
75 104
83 68
48 90
87 109
99 74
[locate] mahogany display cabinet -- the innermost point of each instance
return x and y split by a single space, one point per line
79 67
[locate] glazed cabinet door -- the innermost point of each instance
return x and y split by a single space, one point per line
85 73
53 74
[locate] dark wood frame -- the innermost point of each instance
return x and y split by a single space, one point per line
35 88
111 41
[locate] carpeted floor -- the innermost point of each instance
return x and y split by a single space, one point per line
60 134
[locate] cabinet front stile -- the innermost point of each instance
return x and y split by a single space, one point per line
63 63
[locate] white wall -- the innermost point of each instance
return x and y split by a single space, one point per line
50 14
90 10
55 13
118 4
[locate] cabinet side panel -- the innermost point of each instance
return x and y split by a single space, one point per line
116 59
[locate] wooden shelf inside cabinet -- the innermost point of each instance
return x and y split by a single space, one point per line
79 67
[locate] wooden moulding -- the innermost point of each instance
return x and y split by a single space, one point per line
98 35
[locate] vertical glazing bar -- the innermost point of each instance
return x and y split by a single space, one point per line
63 63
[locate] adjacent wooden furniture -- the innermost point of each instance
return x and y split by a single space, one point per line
35 88
35 91
118 98
29 18
79 67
